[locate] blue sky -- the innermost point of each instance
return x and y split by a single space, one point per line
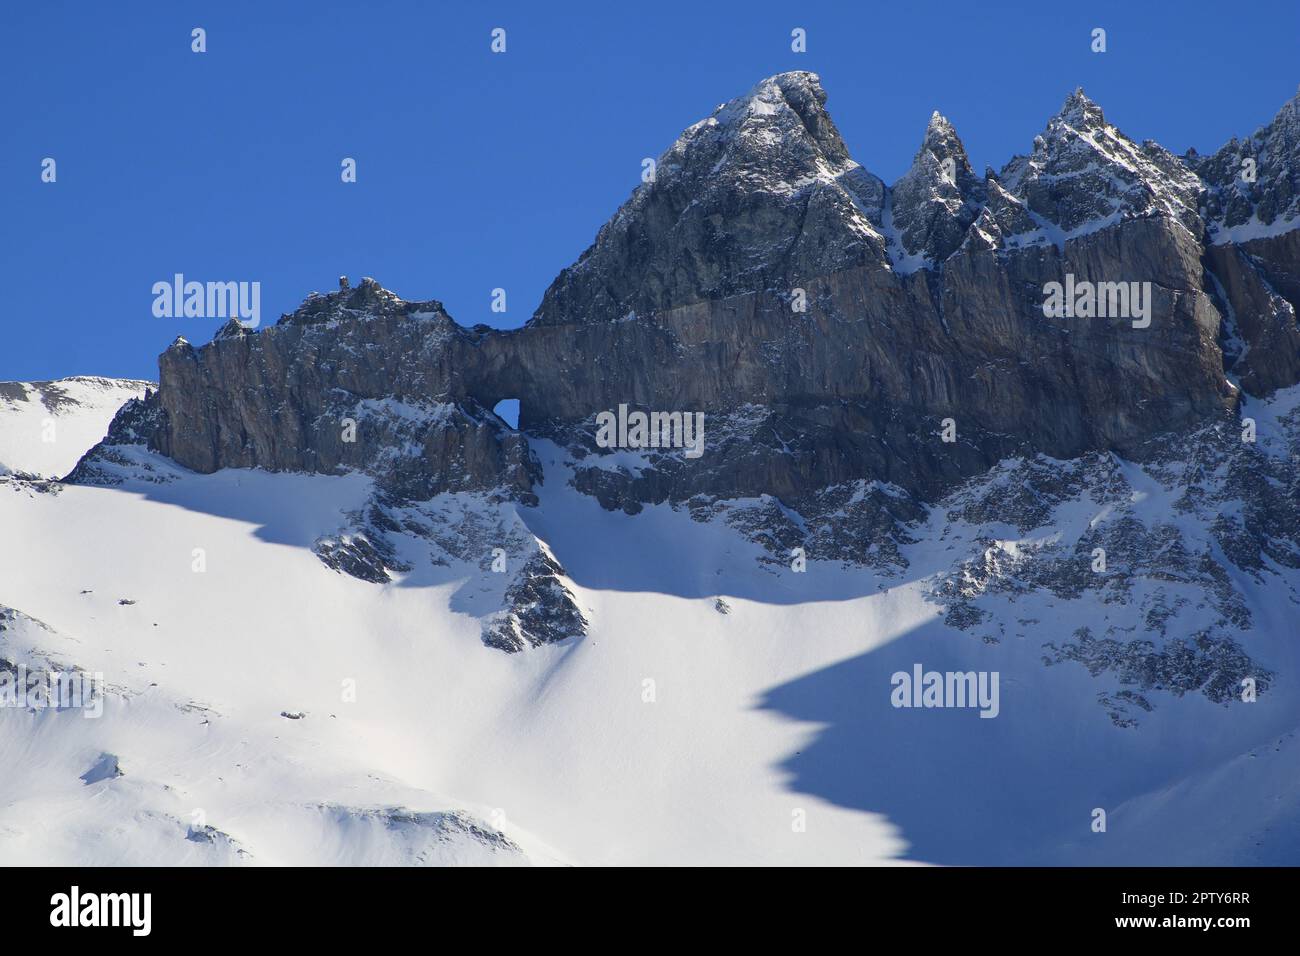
479 170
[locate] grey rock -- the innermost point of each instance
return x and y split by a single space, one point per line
1264 191
667 312
105 768
932 207
539 610
924 303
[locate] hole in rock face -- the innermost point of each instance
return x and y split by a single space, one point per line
508 411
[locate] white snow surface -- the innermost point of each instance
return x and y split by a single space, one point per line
1251 229
45 427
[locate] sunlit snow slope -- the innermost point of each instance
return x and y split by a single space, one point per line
45 427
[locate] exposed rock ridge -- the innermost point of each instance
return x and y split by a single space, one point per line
832 331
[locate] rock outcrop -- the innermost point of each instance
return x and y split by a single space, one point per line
858 351
931 208
1253 184
755 279
357 379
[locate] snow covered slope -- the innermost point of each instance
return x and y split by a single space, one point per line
556 743
45 427
262 709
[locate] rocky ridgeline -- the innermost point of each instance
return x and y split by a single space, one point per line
827 326
1167 590
355 380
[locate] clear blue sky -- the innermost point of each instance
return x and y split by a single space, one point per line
477 170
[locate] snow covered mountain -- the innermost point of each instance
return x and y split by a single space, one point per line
345 613
45 427
1254 183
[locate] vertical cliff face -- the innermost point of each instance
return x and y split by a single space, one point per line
830 328
354 380
1251 204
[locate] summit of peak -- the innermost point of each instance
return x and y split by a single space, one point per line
791 88
779 125
941 138
1080 110
776 101
789 80
767 164
938 122
935 201
1084 174
1290 109
366 299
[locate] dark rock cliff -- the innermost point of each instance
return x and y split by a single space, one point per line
857 350
825 325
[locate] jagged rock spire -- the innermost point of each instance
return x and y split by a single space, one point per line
1079 112
933 204
1084 174
1253 184
1003 222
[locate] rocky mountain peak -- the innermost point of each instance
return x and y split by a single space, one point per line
232 329
758 196
1253 184
684 302
367 299
785 103
1084 174
1078 112
940 136
933 205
